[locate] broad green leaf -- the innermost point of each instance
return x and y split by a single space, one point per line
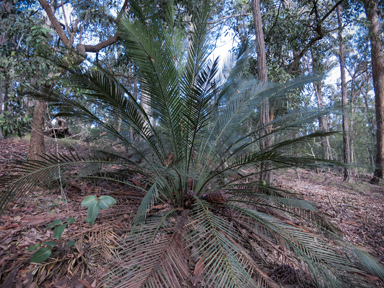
70 220
30 248
41 255
106 201
58 231
93 211
49 243
55 223
88 201
71 243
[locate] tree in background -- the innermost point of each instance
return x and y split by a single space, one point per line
377 56
21 40
265 130
319 64
344 100
281 45
70 37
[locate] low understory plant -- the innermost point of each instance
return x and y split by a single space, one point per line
46 248
205 217
94 205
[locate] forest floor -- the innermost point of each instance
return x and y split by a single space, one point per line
356 208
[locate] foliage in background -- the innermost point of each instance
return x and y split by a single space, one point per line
17 119
22 39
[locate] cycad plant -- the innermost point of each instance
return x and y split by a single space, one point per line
205 219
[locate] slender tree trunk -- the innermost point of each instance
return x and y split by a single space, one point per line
117 121
1 102
370 119
1 112
265 142
323 123
346 147
36 145
351 124
261 55
6 91
326 147
378 83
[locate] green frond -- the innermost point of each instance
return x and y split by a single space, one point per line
220 263
146 204
327 264
47 171
368 263
28 175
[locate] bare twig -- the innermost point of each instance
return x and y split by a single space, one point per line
229 16
319 36
82 26
330 202
65 17
62 192
18 44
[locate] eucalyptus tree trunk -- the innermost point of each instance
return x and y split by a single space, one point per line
261 55
351 122
4 100
1 102
36 144
323 123
1 112
6 91
265 141
346 142
378 83
326 147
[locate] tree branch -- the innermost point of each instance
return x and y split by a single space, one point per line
301 54
65 16
96 48
122 10
59 5
319 36
82 26
80 47
330 11
268 34
226 17
56 24
124 76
